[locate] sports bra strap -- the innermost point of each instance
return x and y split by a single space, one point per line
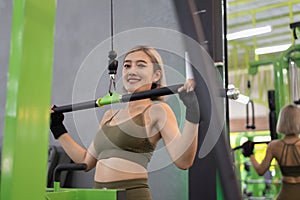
290 143
296 141
147 108
114 114
285 152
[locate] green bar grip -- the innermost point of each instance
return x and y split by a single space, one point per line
109 99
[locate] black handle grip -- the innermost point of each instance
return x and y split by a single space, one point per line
173 89
239 147
68 166
77 106
297 102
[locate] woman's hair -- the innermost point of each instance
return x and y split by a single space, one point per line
289 120
157 65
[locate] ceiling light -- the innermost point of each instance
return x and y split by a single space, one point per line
249 32
272 49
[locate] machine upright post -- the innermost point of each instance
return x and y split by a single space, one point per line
26 128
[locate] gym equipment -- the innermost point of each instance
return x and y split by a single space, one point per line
27 113
117 98
286 73
239 147
252 185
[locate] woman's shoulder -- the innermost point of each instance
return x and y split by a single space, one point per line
160 112
274 144
160 107
108 115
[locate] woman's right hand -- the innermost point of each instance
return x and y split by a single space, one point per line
56 123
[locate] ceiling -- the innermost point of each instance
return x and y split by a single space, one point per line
246 14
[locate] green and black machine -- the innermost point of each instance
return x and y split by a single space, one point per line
26 133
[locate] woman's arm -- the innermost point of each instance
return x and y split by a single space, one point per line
182 147
265 164
77 153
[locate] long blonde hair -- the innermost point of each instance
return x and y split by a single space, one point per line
157 65
289 120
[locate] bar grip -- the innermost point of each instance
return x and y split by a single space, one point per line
173 89
67 166
77 106
262 142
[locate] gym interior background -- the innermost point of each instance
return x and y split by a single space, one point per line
82 25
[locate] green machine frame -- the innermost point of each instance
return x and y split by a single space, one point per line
283 72
25 140
281 66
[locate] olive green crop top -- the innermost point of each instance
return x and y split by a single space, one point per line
290 151
127 140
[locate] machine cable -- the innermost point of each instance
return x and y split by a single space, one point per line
112 55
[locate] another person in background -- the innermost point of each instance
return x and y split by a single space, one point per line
127 137
286 151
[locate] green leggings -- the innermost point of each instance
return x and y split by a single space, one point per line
135 188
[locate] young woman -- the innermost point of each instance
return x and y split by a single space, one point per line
286 151
127 137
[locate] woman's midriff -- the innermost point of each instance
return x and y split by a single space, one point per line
116 169
289 179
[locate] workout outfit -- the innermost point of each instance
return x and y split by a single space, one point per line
289 164
136 189
127 140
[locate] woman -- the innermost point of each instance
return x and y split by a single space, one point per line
286 151
127 137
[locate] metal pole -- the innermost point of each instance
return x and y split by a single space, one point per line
117 98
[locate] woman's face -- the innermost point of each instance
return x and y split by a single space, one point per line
138 74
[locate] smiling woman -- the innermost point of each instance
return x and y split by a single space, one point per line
127 137
149 62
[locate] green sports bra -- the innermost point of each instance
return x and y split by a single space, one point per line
127 140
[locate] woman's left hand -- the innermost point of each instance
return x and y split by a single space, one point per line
248 148
190 100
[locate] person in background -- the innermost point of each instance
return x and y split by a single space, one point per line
286 151
127 137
